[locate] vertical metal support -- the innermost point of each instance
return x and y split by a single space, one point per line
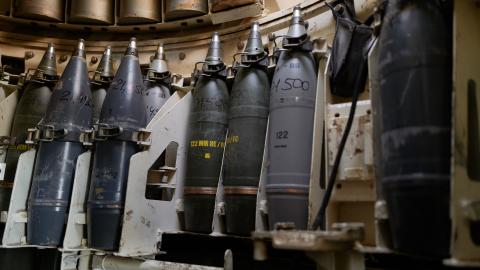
219 212
145 220
74 233
465 194
7 112
382 228
15 235
261 212
315 192
353 197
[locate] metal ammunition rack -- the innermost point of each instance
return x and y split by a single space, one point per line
153 229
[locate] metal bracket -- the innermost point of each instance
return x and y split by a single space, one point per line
158 76
105 131
87 137
156 177
75 260
263 207
20 217
357 159
31 136
247 59
142 137
320 48
177 81
46 133
40 76
3 167
471 210
179 206
99 81
383 239
51 133
381 211
221 209
3 216
272 63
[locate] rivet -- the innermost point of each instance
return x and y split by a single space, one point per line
63 58
29 55
181 56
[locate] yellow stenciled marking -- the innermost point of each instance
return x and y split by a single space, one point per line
21 147
207 143
233 139
208 155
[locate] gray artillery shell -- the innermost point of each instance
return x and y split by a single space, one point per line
292 108
29 111
99 92
123 107
70 110
107 192
101 81
155 96
208 128
415 68
158 84
50 191
248 115
31 107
